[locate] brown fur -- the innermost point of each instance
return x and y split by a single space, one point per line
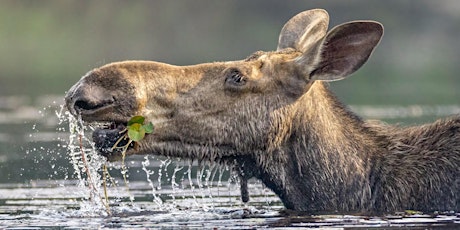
273 116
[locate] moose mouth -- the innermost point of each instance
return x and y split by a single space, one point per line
109 138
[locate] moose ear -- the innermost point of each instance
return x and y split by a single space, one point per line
343 51
304 30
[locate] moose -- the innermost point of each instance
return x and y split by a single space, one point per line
273 117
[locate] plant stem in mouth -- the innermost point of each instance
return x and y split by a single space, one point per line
104 183
92 187
124 169
134 132
118 142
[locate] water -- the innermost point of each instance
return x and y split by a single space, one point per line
44 182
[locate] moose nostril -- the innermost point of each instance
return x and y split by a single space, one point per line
85 105
88 105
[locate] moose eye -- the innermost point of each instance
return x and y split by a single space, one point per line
235 78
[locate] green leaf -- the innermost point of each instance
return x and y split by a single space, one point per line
148 127
136 120
137 129
136 132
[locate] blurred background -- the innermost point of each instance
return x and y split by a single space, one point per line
45 46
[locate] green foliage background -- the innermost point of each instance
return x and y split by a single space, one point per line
45 46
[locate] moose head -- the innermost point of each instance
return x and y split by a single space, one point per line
222 110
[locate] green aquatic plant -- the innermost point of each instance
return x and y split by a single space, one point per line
135 131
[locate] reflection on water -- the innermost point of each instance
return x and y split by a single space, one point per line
40 186
49 205
44 203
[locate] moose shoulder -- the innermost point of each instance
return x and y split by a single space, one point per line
274 118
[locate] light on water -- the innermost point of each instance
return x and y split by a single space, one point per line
59 182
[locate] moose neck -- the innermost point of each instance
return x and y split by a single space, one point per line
323 162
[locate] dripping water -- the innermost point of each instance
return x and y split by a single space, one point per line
148 172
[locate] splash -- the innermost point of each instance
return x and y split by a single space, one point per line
148 172
87 165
